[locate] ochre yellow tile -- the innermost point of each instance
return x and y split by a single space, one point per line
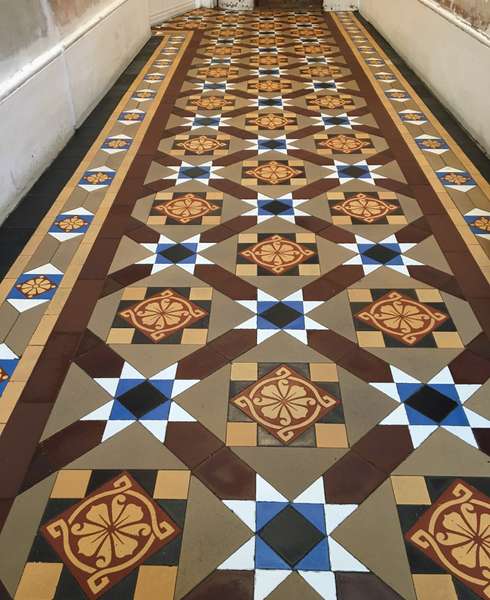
39 581
448 339
10 397
331 435
359 295
246 270
323 372
120 336
201 293
396 219
244 372
26 363
410 489
133 293
194 336
247 238
241 434
309 270
305 238
434 587
71 484
340 219
155 582
370 339
428 295
171 485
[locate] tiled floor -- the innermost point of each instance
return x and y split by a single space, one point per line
245 355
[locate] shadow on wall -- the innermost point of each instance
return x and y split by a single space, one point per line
68 12
476 12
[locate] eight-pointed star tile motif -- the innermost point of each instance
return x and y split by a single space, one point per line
167 252
388 253
186 172
148 401
291 536
439 403
360 171
273 315
284 207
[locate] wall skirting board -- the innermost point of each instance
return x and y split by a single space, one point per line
444 52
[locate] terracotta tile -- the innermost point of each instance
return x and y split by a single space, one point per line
351 480
373 446
227 476
191 442
238 585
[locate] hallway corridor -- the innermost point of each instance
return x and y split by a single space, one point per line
245 355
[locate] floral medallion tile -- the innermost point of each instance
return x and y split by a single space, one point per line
456 179
479 222
168 316
271 121
186 208
117 143
329 102
96 179
277 254
70 224
132 117
351 143
211 103
265 86
359 208
273 172
35 287
109 530
402 318
8 362
285 404
200 145
447 536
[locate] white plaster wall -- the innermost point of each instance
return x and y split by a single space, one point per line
161 10
454 63
50 82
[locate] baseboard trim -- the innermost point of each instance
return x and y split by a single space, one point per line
168 13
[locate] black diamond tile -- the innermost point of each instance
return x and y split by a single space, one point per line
176 253
431 403
194 172
381 254
280 314
142 399
353 171
291 535
276 207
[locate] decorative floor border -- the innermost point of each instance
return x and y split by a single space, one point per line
454 213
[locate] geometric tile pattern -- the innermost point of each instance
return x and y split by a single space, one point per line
258 330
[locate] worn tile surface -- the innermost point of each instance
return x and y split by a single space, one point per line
246 354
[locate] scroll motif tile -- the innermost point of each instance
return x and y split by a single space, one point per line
109 533
285 405
169 316
104 532
403 319
186 208
353 143
277 254
200 145
445 526
360 208
273 172
271 121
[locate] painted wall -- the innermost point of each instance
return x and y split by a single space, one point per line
57 60
475 12
444 55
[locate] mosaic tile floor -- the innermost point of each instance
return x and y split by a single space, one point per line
246 354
